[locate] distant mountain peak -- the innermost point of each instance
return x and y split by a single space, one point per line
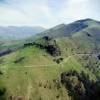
19 32
59 26
64 30
87 20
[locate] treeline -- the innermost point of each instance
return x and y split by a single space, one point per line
49 45
80 87
2 93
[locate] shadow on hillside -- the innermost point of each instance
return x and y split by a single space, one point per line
2 93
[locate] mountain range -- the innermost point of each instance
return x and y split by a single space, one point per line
63 30
21 32
60 63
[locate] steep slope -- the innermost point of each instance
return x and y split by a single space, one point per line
85 31
69 29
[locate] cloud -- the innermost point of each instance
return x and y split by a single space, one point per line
9 17
76 9
24 13
46 13
79 9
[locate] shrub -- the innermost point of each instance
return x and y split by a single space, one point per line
80 86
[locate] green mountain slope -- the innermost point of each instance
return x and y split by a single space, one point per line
32 73
60 64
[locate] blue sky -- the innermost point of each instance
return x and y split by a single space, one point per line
46 13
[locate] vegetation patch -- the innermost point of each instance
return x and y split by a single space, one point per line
80 86
47 44
2 93
19 60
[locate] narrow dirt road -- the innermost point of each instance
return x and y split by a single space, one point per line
29 90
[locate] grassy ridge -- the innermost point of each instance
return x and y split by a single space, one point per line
36 76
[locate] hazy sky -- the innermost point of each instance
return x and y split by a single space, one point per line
46 13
